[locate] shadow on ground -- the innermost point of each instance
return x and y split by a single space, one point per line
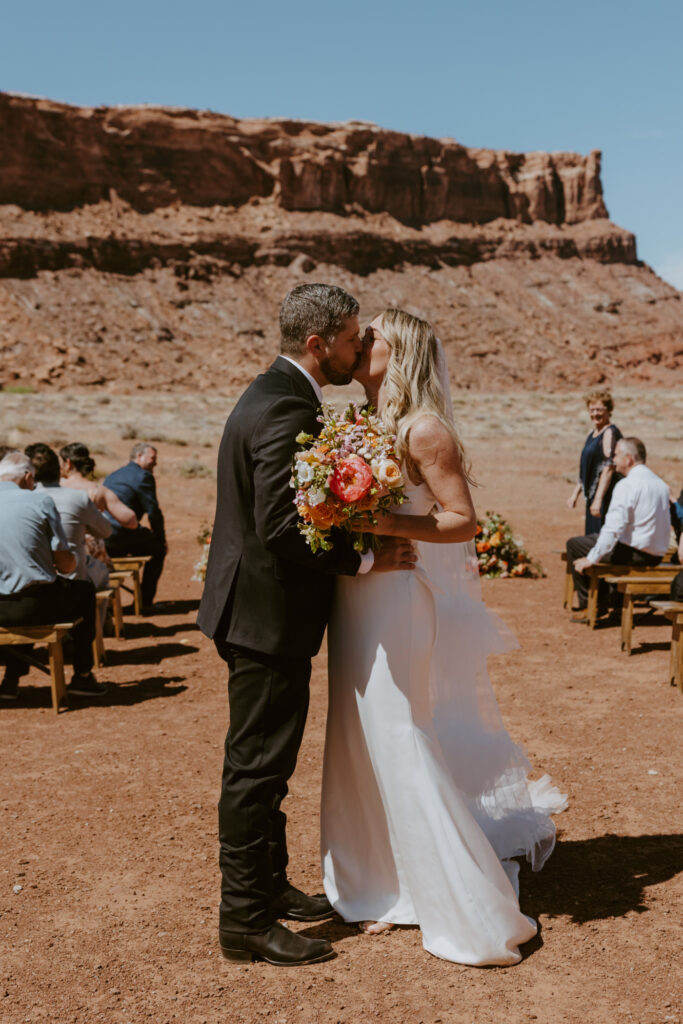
180 607
145 628
119 694
607 876
152 655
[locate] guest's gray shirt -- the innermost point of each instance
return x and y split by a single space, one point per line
78 515
30 530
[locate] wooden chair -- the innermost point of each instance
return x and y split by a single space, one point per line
632 587
52 635
600 570
131 567
674 611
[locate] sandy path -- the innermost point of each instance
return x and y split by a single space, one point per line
108 813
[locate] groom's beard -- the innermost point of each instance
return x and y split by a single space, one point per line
336 374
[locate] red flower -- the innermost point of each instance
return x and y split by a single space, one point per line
351 479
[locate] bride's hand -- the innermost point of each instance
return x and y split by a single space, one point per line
384 527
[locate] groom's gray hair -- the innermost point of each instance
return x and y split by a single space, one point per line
308 309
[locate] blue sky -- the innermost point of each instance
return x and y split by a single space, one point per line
519 75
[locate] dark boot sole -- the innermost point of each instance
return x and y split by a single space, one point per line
293 916
246 956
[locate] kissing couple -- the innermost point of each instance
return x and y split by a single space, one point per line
425 797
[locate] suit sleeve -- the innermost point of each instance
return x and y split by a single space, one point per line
275 515
147 493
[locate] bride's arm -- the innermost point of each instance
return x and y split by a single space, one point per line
435 456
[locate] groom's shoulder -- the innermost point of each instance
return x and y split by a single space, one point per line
274 387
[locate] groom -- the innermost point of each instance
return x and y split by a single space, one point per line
266 603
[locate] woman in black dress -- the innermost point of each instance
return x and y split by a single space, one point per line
596 469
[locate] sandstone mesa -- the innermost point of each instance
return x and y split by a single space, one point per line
150 247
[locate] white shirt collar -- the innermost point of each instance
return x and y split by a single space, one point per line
311 380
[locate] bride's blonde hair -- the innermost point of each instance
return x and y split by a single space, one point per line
412 385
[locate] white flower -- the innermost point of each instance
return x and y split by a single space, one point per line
304 473
316 496
389 474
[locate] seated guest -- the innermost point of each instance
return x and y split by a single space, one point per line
77 467
76 511
637 525
33 549
135 486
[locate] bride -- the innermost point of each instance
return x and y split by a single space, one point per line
425 796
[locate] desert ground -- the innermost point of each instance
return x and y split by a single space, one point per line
109 810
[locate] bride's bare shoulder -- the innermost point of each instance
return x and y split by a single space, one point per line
428 431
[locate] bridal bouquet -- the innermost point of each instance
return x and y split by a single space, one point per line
344 476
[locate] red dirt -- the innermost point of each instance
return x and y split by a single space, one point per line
110 820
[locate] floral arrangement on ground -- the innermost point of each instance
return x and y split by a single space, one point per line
203 538
500 553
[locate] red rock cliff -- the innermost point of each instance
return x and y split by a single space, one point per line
57 157
150 247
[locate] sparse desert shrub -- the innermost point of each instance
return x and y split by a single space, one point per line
194 469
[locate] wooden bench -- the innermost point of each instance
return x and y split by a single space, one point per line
600 570
130 567
674 611
52 635
633 586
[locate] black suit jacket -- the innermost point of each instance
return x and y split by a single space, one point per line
264 587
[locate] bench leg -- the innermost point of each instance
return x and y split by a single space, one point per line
568 589
592 607
58 686
676 659
627 623
118 614
98 642
137 591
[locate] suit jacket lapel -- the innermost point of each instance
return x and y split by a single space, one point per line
300 384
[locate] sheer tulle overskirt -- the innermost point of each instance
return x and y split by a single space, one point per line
425 795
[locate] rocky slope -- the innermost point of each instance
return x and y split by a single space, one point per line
151 247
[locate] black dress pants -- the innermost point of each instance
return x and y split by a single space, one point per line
621 554
140 541
60 601
268 698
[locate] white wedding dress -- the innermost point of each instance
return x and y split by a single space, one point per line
425 796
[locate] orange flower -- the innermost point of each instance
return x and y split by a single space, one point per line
496 539
321 516
482 546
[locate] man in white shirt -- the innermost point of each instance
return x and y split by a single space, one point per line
637 526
